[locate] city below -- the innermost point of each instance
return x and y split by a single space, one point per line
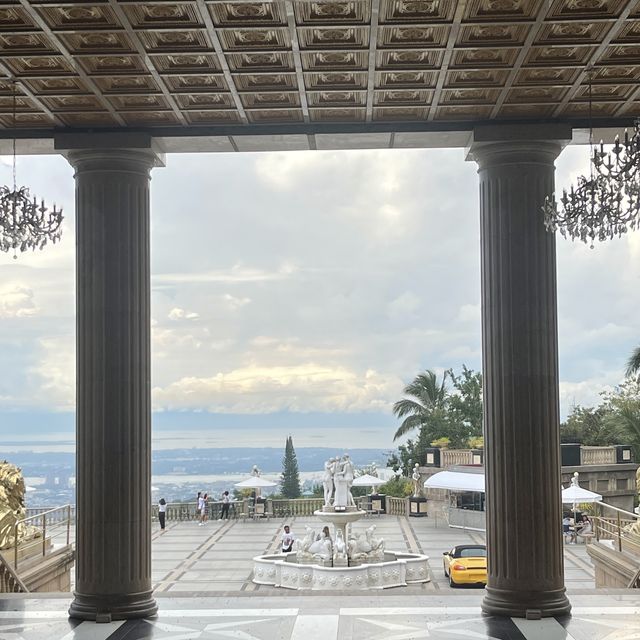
178 474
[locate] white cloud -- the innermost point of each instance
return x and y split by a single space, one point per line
586 393
306 272
267 389
180 314
404 306
234 303
55 374
173 339
17 301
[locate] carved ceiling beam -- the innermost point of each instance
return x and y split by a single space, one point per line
597 52
297 59
22 86
211 30
373 46
534 30
446 59
86 80
146 60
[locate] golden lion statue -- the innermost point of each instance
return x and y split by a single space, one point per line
12 506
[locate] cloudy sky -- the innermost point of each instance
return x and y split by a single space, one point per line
297 293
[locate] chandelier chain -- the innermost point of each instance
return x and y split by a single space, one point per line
605 204
24 224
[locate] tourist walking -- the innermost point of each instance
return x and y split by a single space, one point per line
225 506
288 538
162 513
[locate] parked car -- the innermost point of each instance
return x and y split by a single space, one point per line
466 564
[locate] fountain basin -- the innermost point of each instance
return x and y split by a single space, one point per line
397 570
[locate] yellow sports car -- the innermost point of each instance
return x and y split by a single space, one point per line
466 564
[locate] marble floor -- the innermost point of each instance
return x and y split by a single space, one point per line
605 615
216 558
202 581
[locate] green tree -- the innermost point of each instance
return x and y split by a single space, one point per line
402 457
290 479
425 409
590 426
436 413
623 406
398 487
633 365
465 407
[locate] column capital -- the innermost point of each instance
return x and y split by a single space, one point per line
110 150
493 144
139 161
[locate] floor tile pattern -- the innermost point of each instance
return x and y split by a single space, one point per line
605 615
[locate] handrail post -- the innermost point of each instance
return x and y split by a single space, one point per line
68 524
44 534
15 546
619 536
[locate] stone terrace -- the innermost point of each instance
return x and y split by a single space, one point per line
217 557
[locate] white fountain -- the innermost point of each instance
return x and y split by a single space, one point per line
322 562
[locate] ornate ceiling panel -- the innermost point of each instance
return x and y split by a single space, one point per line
193 63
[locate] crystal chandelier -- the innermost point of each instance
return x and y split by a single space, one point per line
25 224
605 204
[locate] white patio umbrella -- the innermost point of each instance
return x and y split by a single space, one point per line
367 481
255 482
575 494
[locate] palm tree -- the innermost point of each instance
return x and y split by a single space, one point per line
633 366
428 399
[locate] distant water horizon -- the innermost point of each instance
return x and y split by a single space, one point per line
329 437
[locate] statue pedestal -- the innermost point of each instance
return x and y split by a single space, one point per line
378 502
340 519
418 507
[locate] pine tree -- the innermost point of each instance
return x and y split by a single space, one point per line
290 481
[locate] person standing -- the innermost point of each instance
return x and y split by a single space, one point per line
288 539
203 513
225 506
198 506
162 513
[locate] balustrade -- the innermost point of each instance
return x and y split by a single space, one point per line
453 457
396 506
597 455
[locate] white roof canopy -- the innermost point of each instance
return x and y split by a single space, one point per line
456 481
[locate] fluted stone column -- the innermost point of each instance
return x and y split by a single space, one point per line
520 370
113 527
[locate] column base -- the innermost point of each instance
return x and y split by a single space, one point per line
532 605
106 608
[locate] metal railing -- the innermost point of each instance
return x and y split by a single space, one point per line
612 523
36 511
49 522
9 580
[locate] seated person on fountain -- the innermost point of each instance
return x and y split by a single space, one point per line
288 539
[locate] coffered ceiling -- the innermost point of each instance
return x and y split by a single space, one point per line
140 64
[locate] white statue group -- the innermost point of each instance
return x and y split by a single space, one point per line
336 481
358 550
